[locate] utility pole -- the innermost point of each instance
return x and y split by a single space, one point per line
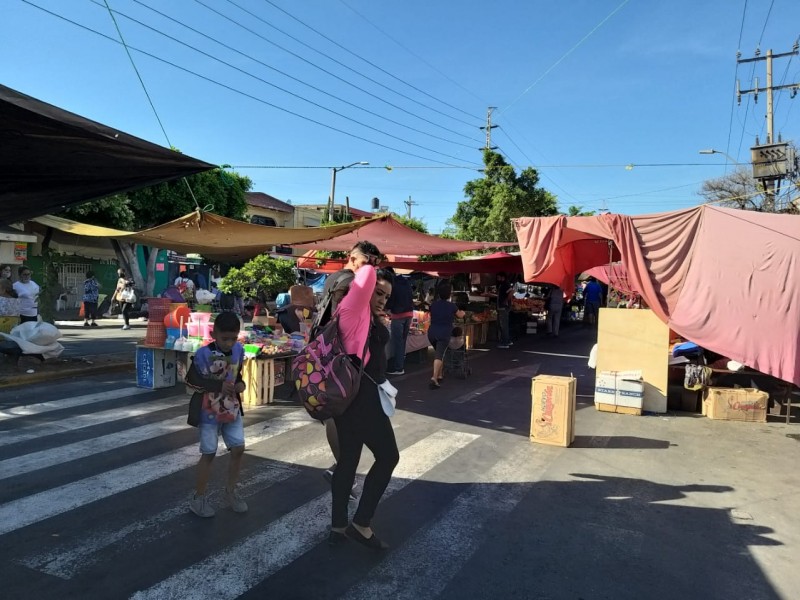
774 160
409 203
488 127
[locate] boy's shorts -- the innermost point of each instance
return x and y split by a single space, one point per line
232 435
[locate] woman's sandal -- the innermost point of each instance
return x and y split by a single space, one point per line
336 537
371 542
433 384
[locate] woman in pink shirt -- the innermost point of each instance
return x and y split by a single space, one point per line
364 422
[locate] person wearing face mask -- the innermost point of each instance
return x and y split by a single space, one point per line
28 293
364 423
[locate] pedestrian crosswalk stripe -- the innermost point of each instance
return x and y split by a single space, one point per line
428 561
88 548
38 431
37 507
26 463
262 554
43 407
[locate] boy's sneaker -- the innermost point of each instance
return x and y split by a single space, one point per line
199 505
235 500
400 372
126 327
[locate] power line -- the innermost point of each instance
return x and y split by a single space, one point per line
570 51
415 55
294 95
146 93
381 69
255 16
735 79
241 93
293 78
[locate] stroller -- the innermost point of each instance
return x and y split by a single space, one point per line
455 356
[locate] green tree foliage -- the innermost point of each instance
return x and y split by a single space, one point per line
577 211
260 275
216 191
412 222
499 196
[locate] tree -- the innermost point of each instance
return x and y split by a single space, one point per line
215 191
577 211
498 197
737 189
412 222
260 275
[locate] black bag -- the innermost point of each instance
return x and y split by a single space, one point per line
195 404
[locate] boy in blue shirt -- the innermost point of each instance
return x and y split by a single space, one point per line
216 373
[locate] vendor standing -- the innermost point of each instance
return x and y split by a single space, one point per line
9 306
28 293
504 293
400 307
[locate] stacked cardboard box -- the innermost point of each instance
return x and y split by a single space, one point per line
553 410
619 391
735 404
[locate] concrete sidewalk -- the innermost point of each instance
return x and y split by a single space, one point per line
87 351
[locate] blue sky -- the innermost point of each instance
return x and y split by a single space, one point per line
582 89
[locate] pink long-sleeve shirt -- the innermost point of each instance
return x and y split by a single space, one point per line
355 315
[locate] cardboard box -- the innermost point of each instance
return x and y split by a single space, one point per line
155 368
736 404
553 410
619 389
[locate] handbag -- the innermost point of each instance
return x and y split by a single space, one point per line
195 404
128 295
325 377
388 395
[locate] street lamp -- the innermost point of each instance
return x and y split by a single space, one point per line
334 170
725 154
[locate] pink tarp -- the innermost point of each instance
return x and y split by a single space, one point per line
729 280
392 237
614 275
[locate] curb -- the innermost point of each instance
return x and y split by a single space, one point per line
27 379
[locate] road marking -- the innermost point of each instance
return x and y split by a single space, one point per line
113 441
556 354
23 434
471 395
42 407
88 549
32 509
426 563
264 553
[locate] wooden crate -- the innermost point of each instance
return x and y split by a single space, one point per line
259 377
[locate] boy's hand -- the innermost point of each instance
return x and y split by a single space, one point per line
239 387
228 388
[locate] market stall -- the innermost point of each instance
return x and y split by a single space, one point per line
725 279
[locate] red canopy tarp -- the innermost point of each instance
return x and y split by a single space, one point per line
392 237
729 280
491 263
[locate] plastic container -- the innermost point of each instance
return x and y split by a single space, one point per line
194 329
203 308
200 317
251 349
174 333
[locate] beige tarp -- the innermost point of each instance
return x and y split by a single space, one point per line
213 236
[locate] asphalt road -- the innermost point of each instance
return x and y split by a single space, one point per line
96 474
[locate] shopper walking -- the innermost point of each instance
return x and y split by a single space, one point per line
443 313
125 295
27 291
91 293
364 422
592 300
401 310
336 287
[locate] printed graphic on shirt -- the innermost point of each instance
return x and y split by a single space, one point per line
217 407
